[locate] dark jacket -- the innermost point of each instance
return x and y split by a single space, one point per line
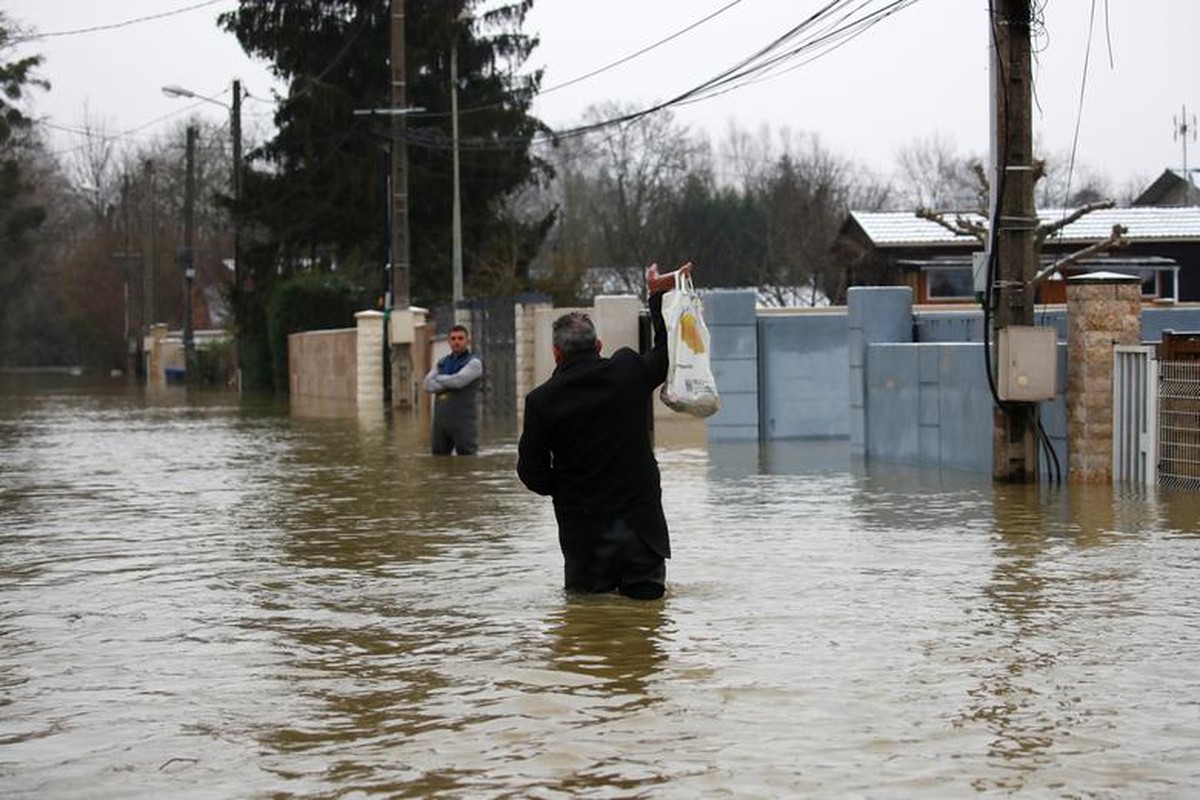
586 442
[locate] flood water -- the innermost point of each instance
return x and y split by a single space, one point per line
214 597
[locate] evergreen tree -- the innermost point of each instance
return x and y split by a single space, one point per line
19 214
321 201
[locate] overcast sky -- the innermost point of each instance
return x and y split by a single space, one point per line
921 72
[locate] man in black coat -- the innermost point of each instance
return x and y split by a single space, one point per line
586 444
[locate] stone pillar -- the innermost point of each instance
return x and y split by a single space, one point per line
1104 309
153 344
877 314
526 319
369 358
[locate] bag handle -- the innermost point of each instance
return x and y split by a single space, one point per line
683 282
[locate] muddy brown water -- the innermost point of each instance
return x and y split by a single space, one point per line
213 597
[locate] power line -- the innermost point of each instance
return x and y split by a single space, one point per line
598 71
831 26
115 25
642 51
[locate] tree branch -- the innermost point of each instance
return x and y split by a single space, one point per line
1115 240
961 225
1044 231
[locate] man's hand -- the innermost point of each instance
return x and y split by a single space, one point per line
661 283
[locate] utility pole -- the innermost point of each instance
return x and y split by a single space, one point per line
235 132
149 306
128 260
187 254
456 264
1015 425
401 354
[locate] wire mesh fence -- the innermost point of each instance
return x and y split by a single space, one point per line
1179 424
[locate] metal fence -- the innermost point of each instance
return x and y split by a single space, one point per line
1179 424
1135 410
493 334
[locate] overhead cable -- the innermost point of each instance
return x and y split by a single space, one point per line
115 25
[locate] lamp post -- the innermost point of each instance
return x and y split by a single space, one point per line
187 256
235 133
456 212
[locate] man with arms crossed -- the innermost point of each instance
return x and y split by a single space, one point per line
586 444
454 383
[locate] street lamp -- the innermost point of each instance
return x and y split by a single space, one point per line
235 133
456 213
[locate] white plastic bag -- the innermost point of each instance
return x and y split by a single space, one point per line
689 387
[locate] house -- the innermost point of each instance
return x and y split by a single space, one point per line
1174 187
898 248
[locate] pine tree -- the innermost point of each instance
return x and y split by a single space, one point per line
319 199
19 214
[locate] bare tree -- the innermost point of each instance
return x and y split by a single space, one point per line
91 164
931 174
1069 185
639 169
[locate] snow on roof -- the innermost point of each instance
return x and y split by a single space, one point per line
896 228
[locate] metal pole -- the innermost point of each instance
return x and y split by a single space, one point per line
456 214
149 304
187 255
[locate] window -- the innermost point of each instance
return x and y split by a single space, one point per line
950 283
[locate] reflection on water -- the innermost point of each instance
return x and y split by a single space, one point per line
202 596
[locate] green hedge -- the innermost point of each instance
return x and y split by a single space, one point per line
314 302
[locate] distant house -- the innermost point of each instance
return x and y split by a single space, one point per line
899 248
1173 188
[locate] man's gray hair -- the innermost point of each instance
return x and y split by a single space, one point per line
574 332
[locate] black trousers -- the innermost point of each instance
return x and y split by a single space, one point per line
454 436
617 559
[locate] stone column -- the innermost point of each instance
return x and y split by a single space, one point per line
155 368
526 320
369 358
1104 309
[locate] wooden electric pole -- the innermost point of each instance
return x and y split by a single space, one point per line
239 282
401 354
149 306
1015 425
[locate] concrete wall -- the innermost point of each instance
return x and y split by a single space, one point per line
851 372
324 364
804 374
733 327
875 315
930 404
856 373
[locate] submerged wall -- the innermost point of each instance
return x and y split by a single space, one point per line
901 383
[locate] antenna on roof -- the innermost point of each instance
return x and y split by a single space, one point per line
1181 132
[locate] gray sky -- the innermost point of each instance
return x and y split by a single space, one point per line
920 73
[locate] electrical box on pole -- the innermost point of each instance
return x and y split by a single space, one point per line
1027 363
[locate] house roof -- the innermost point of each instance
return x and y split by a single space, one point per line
1105 261
1172 181
904 228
